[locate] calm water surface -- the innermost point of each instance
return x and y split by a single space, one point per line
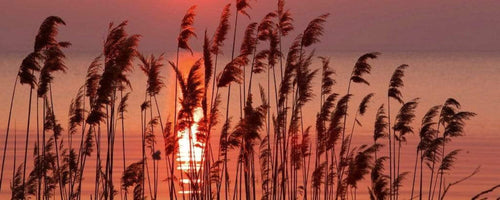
470 77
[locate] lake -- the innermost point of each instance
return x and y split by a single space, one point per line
470 77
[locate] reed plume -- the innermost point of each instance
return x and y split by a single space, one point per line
362 67
192 94
241 5
380 128
120 49
29 65
217 43
314 30
379 189
16 185
396 82
151 67
360 165
453 121
231 73
404 118
132 177
285 20
187 30
394 92
93 78
221 31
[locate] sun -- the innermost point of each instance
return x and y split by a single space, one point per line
190 149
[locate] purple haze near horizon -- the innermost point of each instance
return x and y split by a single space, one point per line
447 25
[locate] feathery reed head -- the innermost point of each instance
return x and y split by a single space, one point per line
47 33
93 78
132 176
360 165
231 73
76 111
28 66
207 60
379 188
54 61
187 30
274 52
221 31
266 26
396 83
327 81
119 51
404 119
249 40
362 67
314 30
285 20
449 160
151 67
241 5
364 103
260 65
192 93
335 127
380 129
427 129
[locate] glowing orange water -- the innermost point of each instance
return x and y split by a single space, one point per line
190 150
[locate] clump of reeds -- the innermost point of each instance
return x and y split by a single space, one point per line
287 143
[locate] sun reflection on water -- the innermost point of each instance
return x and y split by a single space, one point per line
190 152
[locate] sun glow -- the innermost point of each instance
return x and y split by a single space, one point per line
190 150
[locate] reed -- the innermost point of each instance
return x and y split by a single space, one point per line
295 159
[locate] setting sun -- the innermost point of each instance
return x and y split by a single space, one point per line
190 150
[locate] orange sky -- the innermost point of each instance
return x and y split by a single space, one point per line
354 25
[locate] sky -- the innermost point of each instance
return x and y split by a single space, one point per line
367 25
